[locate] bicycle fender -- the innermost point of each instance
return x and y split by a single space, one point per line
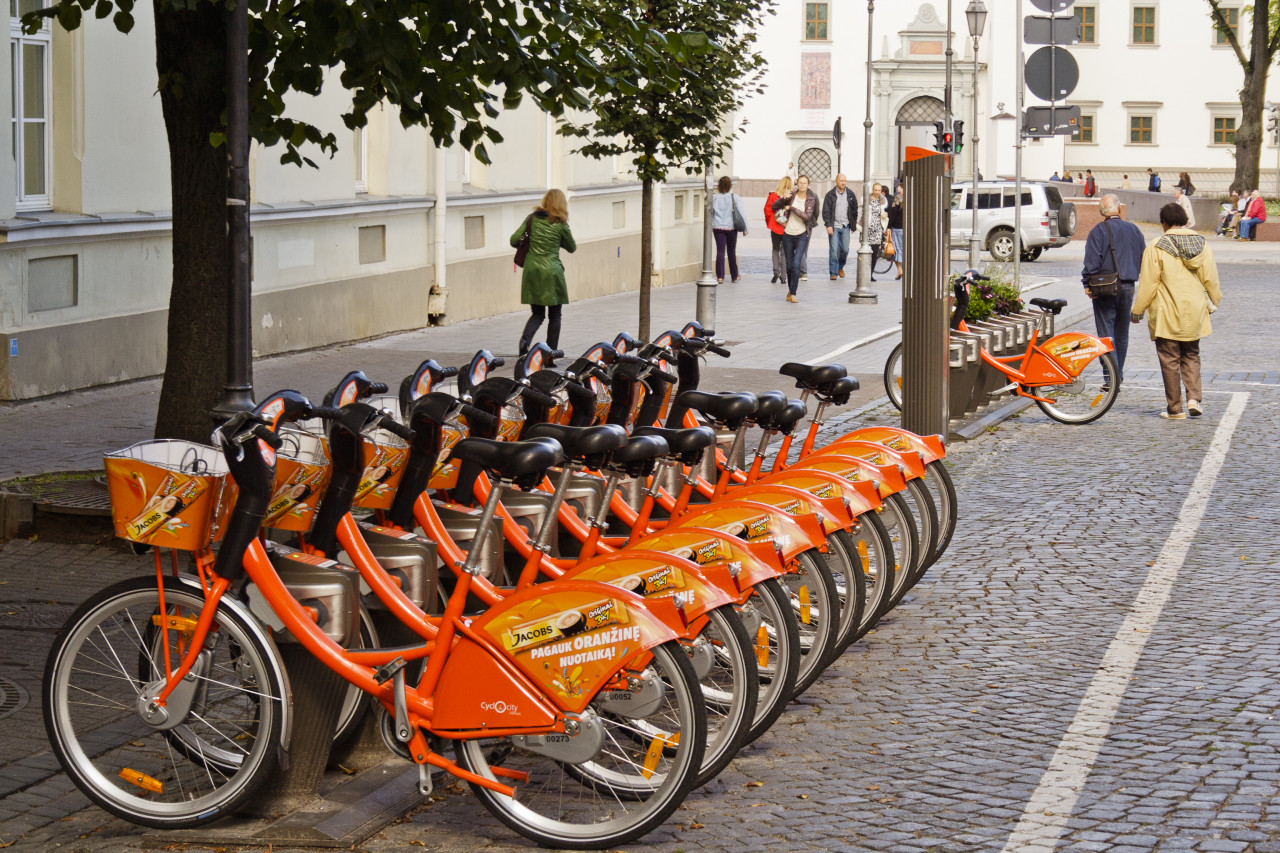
859 497
654 574
887 479
831 512
908 462
713 551
1069 352
930 447
756 522
572 637
274 661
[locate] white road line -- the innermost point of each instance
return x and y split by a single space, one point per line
822 359
1051 805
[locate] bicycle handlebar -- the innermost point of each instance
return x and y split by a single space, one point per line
498 361
328 413
536 396
477 417
394 427
379 388
448 372
265 433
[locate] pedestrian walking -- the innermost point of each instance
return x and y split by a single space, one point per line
896 232
839 209
1255 213
1180 196
543 287
1113 246
1184 183
1178 287
727 221
1153 181
1090 185
775 228
802 214
875 224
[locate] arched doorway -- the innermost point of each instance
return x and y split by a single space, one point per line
915 125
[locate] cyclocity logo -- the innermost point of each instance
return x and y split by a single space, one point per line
499 707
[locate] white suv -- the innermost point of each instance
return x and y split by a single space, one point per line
1047 220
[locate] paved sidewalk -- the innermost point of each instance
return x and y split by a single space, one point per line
948 728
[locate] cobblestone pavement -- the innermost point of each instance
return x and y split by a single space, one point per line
939 729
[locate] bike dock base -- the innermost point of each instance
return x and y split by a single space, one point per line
348 814
975 425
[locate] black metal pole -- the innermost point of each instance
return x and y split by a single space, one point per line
238 392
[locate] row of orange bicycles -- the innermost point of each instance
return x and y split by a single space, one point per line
599 594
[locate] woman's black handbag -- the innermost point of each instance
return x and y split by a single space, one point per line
739 223
1103 284
522 248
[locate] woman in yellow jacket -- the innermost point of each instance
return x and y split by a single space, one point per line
1178 287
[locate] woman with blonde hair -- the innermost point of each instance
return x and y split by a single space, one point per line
542 287
775 229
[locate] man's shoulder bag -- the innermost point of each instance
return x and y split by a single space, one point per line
522 248
1105 283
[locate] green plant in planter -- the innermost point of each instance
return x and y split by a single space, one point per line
996 296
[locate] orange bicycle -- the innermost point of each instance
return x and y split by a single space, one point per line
166 701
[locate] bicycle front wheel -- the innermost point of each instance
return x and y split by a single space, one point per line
875 551
938 479
880 264
1087 398
730 686
772 624
628 788
812 590
905 540
173 773
893 377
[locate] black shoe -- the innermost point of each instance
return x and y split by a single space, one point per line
774 280
873 278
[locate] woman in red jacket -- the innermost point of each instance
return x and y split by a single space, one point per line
1253 214
775 229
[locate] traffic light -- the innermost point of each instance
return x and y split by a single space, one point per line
941 139
957 129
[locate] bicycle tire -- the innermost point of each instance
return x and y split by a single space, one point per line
876 553
777 654
906 544
925 515
356 704
847 571
1094 388
128 766
893 376
544 789
730 691
943 490
881 264
812 590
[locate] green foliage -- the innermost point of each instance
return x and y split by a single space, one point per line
997 296
447 64
677 120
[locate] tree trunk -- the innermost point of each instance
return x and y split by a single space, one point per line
1253 97
191 61
646 254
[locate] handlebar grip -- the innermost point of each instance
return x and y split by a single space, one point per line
628 358
536 396
448 372
718 350
477 417
394 427
265 433
328 413
378 388
557 353
498 361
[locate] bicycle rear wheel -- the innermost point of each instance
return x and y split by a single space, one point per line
622 792
1087 398
772 623
893 376
224 720
880 264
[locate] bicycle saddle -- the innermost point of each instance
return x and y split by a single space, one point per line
681 441
510 459
581 443
1053 306
838 392
641 447
768 404
811 376
729 408
784 420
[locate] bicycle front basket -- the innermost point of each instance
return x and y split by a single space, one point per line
166 493
302 473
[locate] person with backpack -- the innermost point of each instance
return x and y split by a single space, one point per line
1153 181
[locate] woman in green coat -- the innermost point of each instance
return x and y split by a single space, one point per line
542 287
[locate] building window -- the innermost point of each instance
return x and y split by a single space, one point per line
1233 24
1088 18
677 209
29 55
1144 25
815 21
1224 130
1141 130
1086 128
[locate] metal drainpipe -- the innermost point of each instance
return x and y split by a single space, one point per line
439 292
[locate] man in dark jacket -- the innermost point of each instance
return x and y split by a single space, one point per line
839 213
1111 313
1153 181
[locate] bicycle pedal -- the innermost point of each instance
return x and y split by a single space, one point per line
389 670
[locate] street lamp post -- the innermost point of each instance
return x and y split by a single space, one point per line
976 16
705 312
861 294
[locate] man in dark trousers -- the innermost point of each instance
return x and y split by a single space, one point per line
1090 185
1114 245
1153 181
839 213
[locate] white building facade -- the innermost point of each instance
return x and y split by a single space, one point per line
1158 89
390 234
